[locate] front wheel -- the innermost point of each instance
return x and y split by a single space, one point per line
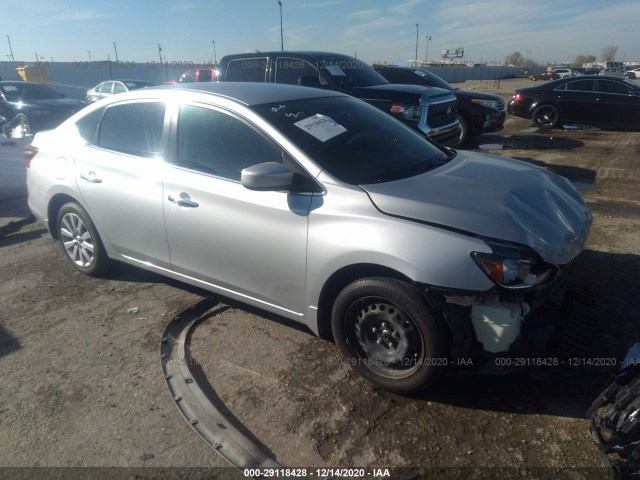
465 131
388 334
546 116
80 240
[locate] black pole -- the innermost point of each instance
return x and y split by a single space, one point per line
281 35
114 47
11 49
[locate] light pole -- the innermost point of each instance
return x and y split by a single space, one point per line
89 52
11 49
215 57
417 28
281 35
114 47
426 55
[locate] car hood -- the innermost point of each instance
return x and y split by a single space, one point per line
469 94
400 93
493 197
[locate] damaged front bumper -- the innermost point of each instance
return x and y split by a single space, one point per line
502 330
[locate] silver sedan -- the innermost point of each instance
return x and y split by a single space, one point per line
317 207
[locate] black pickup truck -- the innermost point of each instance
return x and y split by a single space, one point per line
430 110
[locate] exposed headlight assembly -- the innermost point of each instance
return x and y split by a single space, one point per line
511 267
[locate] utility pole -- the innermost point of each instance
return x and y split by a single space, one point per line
417 29
114 47
11 49
281 35
426 55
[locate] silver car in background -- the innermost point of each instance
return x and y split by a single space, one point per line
114 87
317 207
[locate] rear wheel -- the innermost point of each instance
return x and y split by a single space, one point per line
389 335
80 240
546 116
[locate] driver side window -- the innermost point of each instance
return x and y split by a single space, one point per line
216 143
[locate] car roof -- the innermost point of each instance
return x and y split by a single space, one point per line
252 93
299 53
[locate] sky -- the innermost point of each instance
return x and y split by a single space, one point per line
373 30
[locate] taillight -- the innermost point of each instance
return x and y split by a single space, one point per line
29 152
516 98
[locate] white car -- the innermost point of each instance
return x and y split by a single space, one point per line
564 72
633 73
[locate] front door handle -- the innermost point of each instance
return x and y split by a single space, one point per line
90 177
183 201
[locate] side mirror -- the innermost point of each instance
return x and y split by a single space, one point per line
270 176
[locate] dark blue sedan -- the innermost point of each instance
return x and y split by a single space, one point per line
29 107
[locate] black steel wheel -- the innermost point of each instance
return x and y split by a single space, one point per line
546 116
387 332
80 240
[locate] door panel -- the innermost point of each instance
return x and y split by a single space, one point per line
119 174
249 245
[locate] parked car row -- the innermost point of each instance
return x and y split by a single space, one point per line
431 111
478 112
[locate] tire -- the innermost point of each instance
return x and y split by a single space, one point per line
465 131
80 240
546 116
386 331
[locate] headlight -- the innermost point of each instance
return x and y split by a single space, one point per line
486 103
511 267
410 112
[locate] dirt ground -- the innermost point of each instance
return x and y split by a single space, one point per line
82 385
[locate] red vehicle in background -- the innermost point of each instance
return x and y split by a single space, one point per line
544 76
201 74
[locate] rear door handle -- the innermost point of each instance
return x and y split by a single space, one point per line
90 177
183 201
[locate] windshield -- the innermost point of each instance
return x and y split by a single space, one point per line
354 142
433 79
34 91
350 72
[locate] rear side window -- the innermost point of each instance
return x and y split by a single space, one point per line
87 124
205 76
580 86
297 72
118 88
106 87
246 70
213 142
133 128
612 87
